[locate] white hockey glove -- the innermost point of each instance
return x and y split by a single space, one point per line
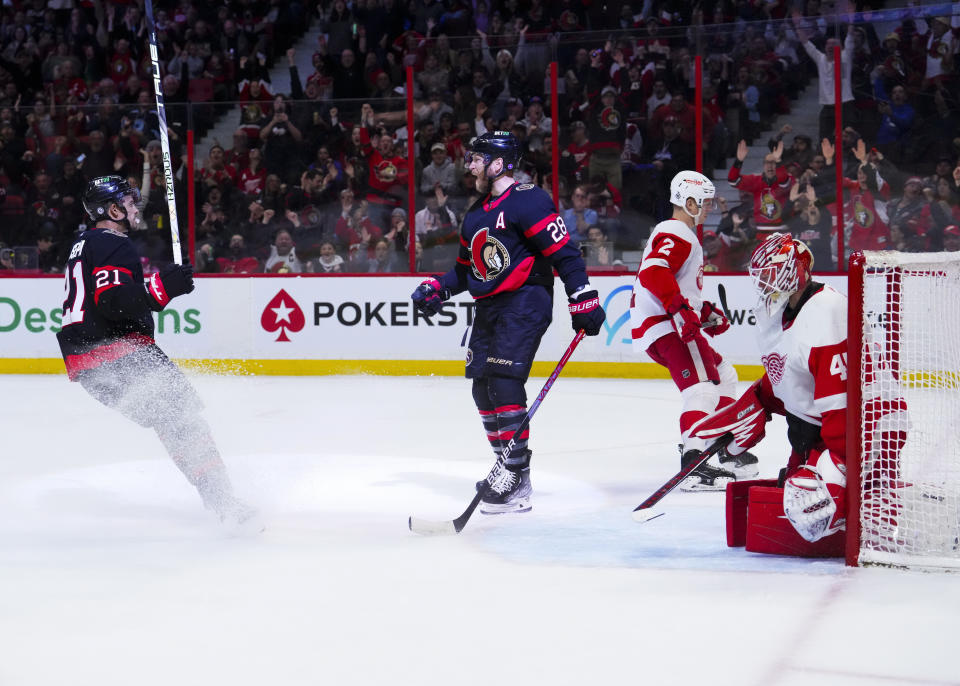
811 498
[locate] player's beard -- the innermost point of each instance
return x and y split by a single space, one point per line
483 183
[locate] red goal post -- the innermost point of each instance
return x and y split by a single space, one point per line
903 453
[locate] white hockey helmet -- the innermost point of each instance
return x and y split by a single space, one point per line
691 184
780 267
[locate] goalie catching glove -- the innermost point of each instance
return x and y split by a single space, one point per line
585 311
430 296
814 499
713 319
746 419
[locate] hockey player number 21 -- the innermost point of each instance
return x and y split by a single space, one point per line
838 365
73 311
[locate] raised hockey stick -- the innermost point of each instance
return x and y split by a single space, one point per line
643 513
723 301
164 138
432 528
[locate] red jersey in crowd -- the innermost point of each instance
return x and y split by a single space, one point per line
869 230
769 197
388 175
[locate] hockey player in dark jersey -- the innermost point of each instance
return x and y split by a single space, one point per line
511 240
108 347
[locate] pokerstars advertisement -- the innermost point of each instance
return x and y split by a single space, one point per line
352 318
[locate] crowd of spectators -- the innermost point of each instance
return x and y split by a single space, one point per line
76 102
317 179
898 151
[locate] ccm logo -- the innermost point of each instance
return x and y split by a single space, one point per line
585 306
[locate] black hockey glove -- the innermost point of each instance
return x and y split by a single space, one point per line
168 283
586 312
429 296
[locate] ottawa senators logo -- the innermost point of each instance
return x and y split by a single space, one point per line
861 214
488 256
609 119
310 216
769 207
386 171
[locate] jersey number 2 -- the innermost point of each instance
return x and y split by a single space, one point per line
666 245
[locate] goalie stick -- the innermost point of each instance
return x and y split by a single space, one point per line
428 527
164 138
643 513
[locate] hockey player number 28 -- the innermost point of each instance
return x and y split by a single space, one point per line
838 365
557 230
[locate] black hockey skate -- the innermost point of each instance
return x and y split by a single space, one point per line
743 466
706 477
509 492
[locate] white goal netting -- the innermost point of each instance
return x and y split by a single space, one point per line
910 410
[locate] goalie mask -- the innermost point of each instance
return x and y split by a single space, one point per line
780 267
691 184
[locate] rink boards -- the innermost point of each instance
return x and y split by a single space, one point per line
345 325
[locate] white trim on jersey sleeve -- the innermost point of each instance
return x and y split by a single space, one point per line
837 401
655 262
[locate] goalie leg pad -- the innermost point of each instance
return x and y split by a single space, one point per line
769 532
814 499
736 509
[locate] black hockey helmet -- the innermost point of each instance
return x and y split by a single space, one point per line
494 144
104 191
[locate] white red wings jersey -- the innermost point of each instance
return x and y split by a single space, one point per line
806 358
673 245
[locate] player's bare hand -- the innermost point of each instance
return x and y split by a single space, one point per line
742 150
785 129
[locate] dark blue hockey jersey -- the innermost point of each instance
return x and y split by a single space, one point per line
514 239
107 310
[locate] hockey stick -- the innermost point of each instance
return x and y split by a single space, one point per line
723 301
643 513
164 139
431 528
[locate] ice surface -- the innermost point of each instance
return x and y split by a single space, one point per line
112 572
